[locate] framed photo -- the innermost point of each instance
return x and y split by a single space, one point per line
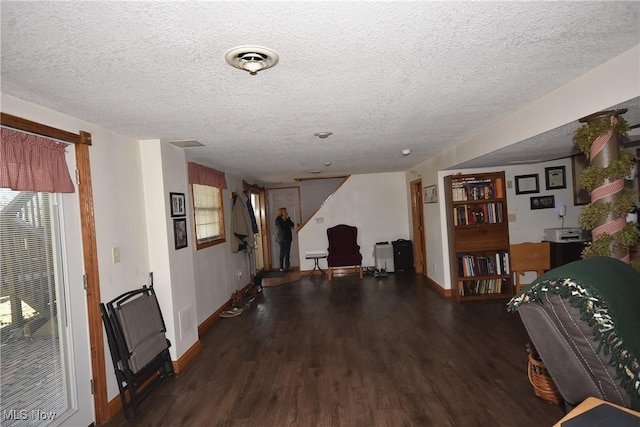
527 184
543 202
431 194
177 204
555 177
180 232
580 195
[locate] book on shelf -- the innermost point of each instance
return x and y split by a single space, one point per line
482 287
502 262
483 265
476 189
485 213
498 188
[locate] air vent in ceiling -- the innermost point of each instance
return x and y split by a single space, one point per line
251 58
186 144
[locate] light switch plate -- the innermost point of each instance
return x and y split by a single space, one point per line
115 254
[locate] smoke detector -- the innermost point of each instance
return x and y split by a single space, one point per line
251 58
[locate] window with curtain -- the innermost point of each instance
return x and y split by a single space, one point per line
208 215
208 211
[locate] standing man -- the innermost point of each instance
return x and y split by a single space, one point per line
284 224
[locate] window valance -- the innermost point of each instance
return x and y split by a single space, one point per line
33 163
203 175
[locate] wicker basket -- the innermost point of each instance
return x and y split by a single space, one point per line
543 385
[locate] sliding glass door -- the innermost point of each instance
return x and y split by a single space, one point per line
44 337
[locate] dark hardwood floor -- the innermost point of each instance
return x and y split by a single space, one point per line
377 352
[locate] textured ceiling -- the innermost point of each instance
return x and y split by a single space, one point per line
382 76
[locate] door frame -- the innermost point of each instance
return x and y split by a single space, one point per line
269 221
417 218
82 141
261 218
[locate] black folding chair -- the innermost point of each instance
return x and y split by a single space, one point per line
139 348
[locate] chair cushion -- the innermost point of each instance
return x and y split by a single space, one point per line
143 330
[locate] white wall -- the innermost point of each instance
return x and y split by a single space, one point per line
216 268
375 203
314 192
529 224
164 171
195 283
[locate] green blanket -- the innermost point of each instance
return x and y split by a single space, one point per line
607 291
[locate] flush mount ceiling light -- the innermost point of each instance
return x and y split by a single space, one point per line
251 58
323 135
406 152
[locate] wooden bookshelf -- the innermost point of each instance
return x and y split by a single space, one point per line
478 233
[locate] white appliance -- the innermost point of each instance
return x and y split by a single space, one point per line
564 235
383 254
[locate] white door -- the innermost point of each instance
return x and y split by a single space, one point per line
283 198
49 363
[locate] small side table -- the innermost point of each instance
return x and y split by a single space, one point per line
316 256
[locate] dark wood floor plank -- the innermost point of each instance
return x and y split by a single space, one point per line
372 352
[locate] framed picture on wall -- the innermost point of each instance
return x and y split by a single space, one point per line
527 184
177 204
555 177
580 195
431 194
180 232
543 202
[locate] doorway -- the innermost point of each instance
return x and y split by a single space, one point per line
417 218
288 198
257 196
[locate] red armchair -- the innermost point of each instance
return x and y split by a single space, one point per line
343 250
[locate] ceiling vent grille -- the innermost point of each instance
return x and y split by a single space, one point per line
251 58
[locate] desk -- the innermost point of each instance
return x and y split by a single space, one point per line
316 256
590 403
